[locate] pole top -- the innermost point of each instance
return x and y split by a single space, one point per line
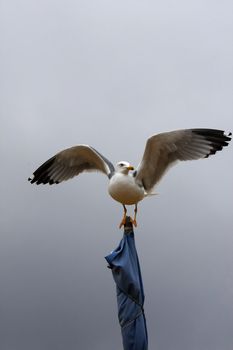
128 227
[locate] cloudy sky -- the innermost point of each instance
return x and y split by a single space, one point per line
110 74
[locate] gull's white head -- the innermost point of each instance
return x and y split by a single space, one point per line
124 167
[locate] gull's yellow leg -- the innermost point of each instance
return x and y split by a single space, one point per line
123 221
134 220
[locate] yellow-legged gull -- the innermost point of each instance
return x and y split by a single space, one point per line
125 185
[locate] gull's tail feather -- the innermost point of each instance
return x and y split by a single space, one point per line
149 194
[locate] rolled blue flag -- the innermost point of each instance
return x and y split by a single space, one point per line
124 263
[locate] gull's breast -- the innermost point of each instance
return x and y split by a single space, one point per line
124 189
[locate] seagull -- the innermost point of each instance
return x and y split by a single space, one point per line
128 185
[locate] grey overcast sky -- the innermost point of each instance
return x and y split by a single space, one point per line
110 74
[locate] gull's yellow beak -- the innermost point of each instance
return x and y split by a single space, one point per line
130 167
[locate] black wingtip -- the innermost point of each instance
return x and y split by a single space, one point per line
41 175
30 179
217 139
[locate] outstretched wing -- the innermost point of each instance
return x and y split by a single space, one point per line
69 163
165 149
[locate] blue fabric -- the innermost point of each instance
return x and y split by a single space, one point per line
125 267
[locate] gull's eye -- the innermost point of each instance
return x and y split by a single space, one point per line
121 164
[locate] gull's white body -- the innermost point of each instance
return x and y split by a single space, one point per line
124 189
